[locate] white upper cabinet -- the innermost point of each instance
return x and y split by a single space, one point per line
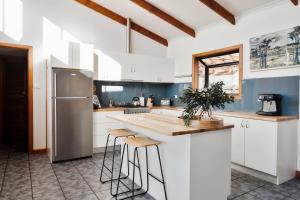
133 67
83 56
74 55
62 56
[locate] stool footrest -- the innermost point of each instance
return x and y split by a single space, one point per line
105 181
130 197
133 164
153 176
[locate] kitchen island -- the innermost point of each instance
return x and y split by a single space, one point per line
196 161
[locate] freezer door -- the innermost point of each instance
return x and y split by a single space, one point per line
73 128
72 83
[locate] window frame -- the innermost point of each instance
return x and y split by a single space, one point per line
214 53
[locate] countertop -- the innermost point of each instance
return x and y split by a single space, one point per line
163 124
122 108
245 115
248 115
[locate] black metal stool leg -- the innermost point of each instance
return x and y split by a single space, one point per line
140 170
113 161
112 166
162 174
103 163
133 179
147 168
118 184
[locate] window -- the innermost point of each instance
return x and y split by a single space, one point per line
220 65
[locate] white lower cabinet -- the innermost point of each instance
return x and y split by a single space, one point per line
101 125
265 146
237 140
261 146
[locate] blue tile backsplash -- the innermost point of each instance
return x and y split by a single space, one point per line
288 87
125 91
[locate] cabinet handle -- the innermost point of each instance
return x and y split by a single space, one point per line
242 123
247 125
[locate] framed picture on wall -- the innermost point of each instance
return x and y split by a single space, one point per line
275 50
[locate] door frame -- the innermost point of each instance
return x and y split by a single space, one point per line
29 50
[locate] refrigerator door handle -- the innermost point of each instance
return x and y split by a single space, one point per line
55 118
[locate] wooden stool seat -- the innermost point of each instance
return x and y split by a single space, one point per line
141 142
120 132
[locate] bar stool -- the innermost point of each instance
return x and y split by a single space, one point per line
136 143
116 133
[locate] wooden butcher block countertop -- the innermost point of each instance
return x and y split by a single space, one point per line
162 124
122 108
248 115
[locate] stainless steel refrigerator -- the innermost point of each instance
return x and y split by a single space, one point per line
72 114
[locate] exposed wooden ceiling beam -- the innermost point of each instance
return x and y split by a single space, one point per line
122 20
165 16
295 2
223 12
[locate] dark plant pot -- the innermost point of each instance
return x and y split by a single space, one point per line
216 122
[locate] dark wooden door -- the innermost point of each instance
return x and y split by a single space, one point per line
1 100
15 101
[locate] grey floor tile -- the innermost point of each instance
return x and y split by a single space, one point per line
247 197
253 180
104 195
237 174
243 186
235 193
75 188
49 196
296 196
16 190
80 180
267 194
85 197
285 188
295 183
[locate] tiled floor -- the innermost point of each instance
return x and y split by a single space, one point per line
25 177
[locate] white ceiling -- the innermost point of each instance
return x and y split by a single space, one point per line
191 12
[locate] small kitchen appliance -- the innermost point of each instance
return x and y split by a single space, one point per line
165 102
150 101
270 104
136 101
142 100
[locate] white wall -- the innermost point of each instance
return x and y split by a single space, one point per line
269 19
24 24
279 16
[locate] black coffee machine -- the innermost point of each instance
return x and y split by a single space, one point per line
270 104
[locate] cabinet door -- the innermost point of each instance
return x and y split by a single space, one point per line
127 73
261 146
142 73
83 56
237 139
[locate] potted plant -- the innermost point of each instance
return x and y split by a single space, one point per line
199 105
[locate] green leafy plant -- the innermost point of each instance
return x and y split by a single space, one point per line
200 103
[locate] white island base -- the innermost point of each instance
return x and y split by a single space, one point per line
196 166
